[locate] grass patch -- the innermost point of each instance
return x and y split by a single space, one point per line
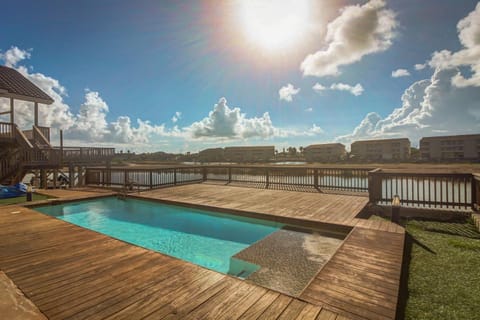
443 281
22 199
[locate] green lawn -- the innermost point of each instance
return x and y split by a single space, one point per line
444 271
22 199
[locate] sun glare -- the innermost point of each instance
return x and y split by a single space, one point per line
274 24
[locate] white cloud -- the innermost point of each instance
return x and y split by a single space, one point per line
420 66
400 73
358 31
318 87
177 116
230 123
310 109
287 92
469 35
315 130
356 90
14 55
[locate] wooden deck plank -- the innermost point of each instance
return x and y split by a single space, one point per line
375 256
329 208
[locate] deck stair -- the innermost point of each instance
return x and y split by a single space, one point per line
31 150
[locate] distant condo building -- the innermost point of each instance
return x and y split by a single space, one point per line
212 155
461 147
386 149
325 152
247 154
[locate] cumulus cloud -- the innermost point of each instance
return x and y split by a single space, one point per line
356 90
400 73
319 87
230 123
420 66
469 34
177 116
14 55
287 92
358 31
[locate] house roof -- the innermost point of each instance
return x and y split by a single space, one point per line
14 85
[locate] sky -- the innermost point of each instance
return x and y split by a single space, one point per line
183 76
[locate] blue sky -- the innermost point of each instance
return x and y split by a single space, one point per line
187 75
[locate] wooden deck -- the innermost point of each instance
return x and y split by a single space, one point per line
73 273
318 207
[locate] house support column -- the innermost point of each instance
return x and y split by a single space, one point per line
12 114
36 114
55 178
71 176
43 178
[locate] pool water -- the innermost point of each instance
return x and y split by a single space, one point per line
208 239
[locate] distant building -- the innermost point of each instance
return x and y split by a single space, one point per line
381 150
325 152
249 154
212 155
461 147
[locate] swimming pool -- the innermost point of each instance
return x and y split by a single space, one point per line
208 239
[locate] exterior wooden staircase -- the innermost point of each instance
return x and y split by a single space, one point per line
22 151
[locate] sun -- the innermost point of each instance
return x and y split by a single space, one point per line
274 24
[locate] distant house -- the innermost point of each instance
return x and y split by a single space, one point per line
325 152
460 147
381 150
212 155
249 153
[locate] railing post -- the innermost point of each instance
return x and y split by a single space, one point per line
315 178
151 179
204 173
373 182
267 178
175 176
125 178
229 174
475 186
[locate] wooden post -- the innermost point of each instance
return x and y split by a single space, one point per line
71 176
55 178
267 178
204 173
175 176
229 174
374 182
315 178
36 114
475 186
43 179
61 147
12 113
151 179
107 177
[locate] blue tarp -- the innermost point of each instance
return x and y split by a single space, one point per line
12 191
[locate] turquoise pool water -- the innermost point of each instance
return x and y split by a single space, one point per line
205 238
